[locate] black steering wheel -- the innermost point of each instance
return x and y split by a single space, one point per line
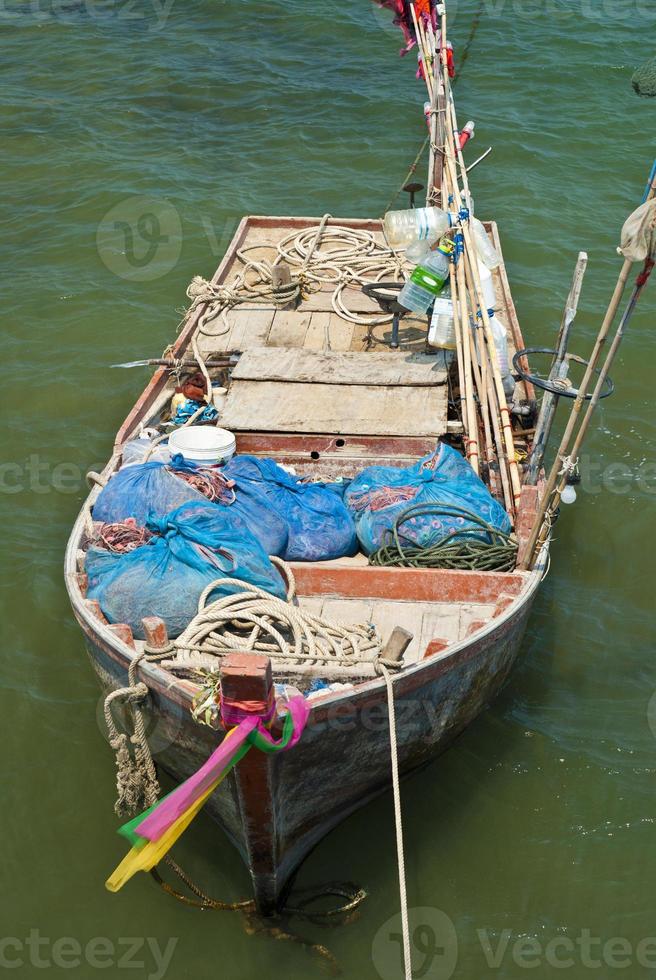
386 294
561 387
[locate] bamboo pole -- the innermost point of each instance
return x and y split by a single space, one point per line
423 53
467 363
550 400
562 470
540 526
453 154
491 405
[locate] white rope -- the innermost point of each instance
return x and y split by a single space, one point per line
323 255
400 857
253 620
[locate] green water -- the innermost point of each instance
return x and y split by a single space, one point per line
540 820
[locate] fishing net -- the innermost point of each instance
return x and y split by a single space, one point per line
639 233
644 80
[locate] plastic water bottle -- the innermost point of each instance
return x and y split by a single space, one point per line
486 250
442 332
405 227
427 280
487 285
500 335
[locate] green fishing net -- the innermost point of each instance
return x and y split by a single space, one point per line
644 80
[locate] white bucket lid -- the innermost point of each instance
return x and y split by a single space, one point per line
202 442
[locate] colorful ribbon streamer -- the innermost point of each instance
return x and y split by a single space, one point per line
153 833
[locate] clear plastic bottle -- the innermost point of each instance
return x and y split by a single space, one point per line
487 285
405 227
442 332
486 250
500 335
427 280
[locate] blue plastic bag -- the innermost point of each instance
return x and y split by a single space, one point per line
320 526
150 491
196 543
378 495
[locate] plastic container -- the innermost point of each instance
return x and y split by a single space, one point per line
203 444
500 335
486 250
427 280
487 285
442 332
219 396
418 224
466 133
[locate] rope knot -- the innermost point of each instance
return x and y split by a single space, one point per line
569 466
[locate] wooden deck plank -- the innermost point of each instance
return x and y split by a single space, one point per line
317 332
288 329
354 300
276 406
339 367
340 333
248 328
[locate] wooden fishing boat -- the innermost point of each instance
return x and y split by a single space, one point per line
319 379
310 391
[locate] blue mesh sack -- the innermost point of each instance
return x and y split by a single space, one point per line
320 526
195 544
378 495
152 490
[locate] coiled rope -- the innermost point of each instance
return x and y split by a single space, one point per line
136 777
254 621
495 552
319 256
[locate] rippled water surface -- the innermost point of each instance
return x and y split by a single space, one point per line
539 823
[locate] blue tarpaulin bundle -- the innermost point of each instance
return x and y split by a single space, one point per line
319 524
195 544
150 491
379 494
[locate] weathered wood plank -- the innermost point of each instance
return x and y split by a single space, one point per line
248 328
340 333
277 406
339 367
354 299
316 337
288 329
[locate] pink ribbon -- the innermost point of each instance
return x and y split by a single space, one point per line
177 802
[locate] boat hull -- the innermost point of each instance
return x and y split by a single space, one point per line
276 808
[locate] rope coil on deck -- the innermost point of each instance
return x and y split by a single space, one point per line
322 255
482 547
254 621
